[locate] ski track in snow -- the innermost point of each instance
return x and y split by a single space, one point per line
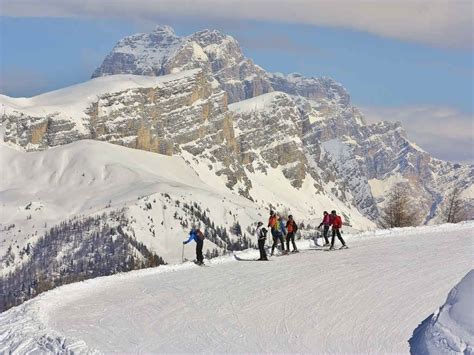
367 299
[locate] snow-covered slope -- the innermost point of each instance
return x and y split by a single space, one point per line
87 192
451 329
367 299
40 189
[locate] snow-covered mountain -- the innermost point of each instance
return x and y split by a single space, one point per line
162 52
364 300
186 114
311 134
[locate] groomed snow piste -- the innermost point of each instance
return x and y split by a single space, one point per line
367 299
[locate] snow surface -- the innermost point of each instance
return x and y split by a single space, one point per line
450 329
257 103
367 299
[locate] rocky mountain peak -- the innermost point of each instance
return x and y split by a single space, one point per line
162 51
162 35
164 30
207 37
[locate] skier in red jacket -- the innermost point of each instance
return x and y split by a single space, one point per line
336 222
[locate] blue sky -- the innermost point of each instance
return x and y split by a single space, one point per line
386 76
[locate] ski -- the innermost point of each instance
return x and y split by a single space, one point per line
334 249
242 259
199 264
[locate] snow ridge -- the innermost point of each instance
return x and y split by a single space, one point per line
450 330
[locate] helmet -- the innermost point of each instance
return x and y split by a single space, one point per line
259 224
333 211
325 212
290 216
272 213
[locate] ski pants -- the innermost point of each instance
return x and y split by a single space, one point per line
199 245
277 237
335 231
290 236
261 248
325 234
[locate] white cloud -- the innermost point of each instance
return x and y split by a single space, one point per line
444 132
445 23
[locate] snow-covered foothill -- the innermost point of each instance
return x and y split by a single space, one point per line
367 299
89 178
450 330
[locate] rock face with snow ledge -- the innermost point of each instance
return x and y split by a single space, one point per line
167 115
450 330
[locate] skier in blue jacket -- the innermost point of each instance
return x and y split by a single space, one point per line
198 237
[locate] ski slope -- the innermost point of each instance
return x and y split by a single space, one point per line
367 299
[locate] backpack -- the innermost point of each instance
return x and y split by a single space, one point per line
200 235
295 226
292 227
276 226
263 234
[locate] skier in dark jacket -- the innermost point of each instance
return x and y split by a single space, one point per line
198 237
291 229
326 223
336 222
261 233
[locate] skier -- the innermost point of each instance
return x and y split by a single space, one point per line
291 229
272 220
326 223
336 222
198 237
278 230
261 234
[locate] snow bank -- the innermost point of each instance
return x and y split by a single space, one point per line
450 330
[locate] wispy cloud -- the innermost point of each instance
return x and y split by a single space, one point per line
444 132
279 42
445 23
